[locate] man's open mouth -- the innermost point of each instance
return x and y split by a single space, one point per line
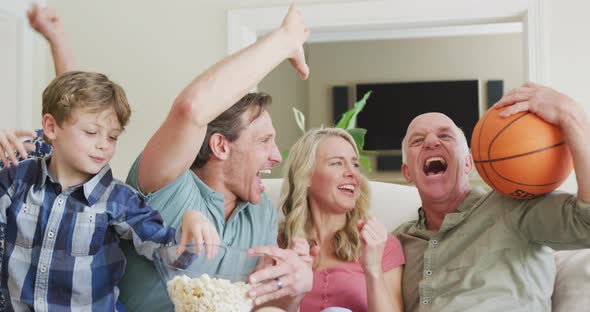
435 165
264 171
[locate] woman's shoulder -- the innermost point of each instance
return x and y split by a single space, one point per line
392 242
393 255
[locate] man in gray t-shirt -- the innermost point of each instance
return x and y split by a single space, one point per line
208 156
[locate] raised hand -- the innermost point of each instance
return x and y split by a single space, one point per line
198 229
373 239
48 24
294 26
45 22
11 143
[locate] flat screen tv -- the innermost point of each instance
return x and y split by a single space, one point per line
392 106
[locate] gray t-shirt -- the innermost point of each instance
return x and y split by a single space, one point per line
249 225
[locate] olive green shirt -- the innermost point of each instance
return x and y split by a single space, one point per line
492 253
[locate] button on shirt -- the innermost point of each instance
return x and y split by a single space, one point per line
62 246
492 253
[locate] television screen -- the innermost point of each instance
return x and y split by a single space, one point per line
392 106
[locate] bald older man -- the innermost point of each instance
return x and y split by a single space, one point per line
470 250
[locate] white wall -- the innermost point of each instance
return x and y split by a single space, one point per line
288 91
155 48
567 26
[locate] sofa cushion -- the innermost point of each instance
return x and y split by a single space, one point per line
572 283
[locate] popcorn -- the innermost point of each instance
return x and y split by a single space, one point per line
205 294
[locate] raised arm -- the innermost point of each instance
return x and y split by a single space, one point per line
561 110
48 24
174 146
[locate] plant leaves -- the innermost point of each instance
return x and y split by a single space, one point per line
299 119
285 154
358 134
366 163
348 120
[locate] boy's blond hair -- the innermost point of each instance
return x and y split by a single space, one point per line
84 90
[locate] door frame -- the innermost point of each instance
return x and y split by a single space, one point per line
369 20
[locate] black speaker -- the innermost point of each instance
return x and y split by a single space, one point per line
339 102
389 163
495 91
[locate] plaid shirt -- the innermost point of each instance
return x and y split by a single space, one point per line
61 248
42 149
3 305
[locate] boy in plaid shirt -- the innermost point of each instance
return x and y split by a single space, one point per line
64 214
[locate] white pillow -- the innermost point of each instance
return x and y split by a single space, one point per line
391 204
572 283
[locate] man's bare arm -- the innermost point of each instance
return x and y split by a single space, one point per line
175 145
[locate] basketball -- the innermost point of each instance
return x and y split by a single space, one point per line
521 156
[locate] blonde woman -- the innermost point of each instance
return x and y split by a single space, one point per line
325 200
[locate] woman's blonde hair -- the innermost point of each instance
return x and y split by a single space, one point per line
295 202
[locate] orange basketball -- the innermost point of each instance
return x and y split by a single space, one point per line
521 156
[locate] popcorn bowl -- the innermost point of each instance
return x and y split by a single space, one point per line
200 283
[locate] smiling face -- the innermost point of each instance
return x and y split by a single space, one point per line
253 153
84 143
437 158
334 183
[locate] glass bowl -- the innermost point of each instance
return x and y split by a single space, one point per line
200 283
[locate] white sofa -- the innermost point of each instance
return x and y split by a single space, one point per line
394 204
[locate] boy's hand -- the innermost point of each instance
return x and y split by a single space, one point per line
198 229
45 22
11 143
